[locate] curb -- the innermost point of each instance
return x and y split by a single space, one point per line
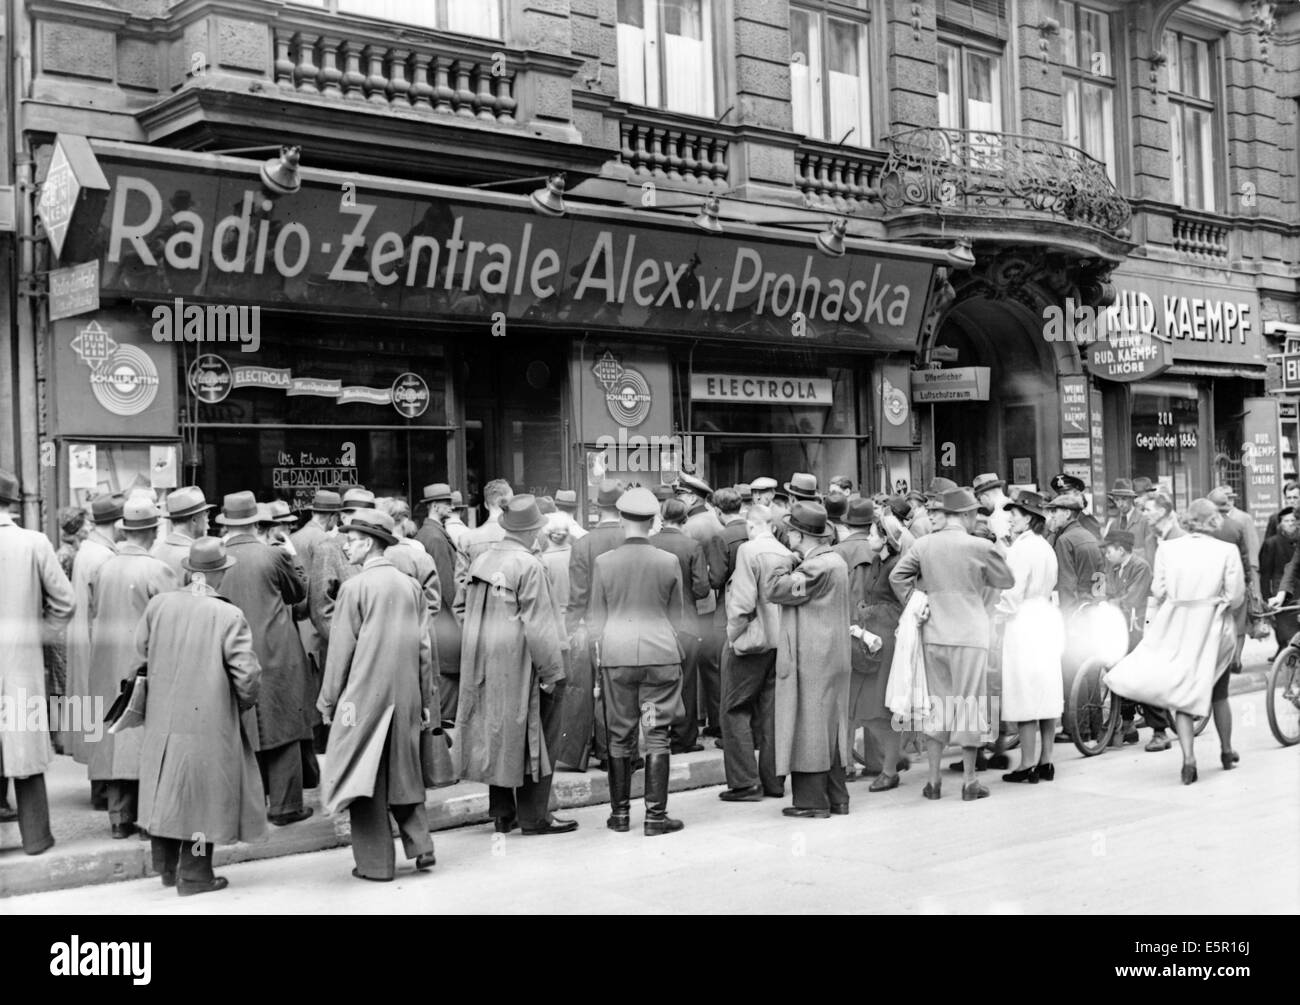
461 805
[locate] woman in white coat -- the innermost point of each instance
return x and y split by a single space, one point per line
1033 640
1182 661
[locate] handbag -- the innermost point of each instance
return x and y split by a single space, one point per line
127 710
435 759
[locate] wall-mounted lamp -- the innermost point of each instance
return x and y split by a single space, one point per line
960 255
548 201
830 242
279 174
707 218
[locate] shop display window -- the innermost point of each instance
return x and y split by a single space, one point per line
1167 430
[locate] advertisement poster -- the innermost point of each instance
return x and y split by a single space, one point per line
82 466
1260 461
162 466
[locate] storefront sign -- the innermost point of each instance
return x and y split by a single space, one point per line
1129 356
1074 406
73 169
625 391
1098 452
200 227
1202 322
1261 461
1291 372
211 379
761 390
74 290
298 475
110 378
960 383
893 402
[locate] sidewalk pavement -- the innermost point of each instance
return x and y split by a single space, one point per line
86 854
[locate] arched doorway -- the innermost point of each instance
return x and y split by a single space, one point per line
1017 431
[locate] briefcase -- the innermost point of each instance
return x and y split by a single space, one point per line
127 711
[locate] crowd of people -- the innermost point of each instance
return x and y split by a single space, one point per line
773 618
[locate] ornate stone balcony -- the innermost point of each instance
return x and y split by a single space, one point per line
982 180
1201 235
841 177
673 150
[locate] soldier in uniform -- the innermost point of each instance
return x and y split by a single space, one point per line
636 612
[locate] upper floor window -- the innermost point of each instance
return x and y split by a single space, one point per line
665 54
970 88
1088 82
468 17
829 72
1191 119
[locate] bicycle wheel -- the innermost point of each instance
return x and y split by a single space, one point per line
1093 709
1282 697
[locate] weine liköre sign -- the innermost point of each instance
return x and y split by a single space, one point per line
200 226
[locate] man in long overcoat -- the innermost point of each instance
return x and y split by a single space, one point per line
265 585
119 593
703 525
580 716
955 569
813 663
377 696
511 676
36 599
100 545
694 568
199 783
187 512
446 632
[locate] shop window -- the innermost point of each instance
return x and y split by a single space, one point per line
1191 119
1166 446
829 71
665 54
96 469
1088 82
315 409
481 18
970 88
778 416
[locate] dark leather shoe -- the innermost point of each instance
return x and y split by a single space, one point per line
1046 772
839 809
904 764
1062 737
981 763
883 783
297 816
1131 736
1159 742
1189 774
504 825
1029 775
713 731
694 748
1229 759
425 861
999 761
168 879
372 879
804 813
974 791
553 826
190 889
123 830
773 795
931 791
750 794
621 822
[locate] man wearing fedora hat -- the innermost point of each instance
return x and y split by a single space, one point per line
454 522
187 512
329 567
119 593
35 595
956 570
512 676
918 514
990 493
1129 517
199 783
813 665
100 545
324 509
566 502
265 585
580 720
446 631
703 525
636 614
377 696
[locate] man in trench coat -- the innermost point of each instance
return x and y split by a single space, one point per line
265 585
446 632
36 599
100 545
377 696
813 665
511 676
199 784
187 512
119 593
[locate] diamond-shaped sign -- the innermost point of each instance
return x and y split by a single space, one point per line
72 168
93 344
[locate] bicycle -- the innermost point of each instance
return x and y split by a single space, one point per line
1282 690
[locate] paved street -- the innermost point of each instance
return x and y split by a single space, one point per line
1114 834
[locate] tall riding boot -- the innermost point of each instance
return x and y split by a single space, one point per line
657 820
620 793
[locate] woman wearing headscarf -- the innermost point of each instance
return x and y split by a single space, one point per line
1182 661
1032 642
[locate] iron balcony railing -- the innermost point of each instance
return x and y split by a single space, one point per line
968 170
